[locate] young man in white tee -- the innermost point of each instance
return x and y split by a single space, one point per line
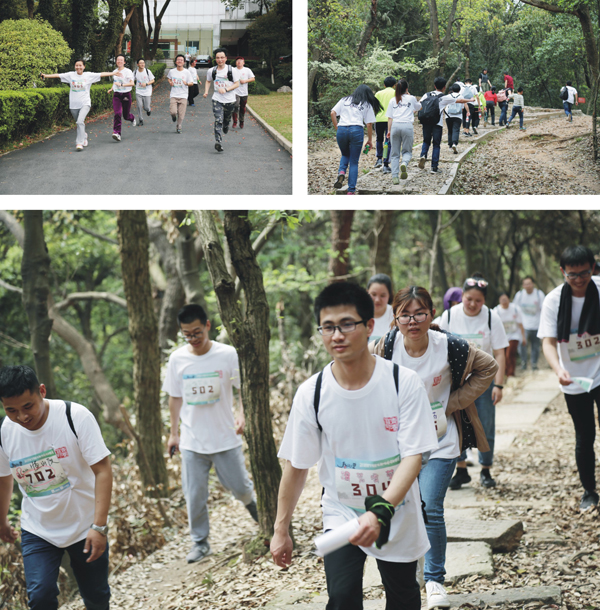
199 381
367 438
530 300
241 93
226 80
55 452
570 334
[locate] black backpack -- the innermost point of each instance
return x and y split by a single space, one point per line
229 73
430 109
69 419
564 94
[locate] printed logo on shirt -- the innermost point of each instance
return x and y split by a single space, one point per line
62 452
391 424
77 86
437 380
40 474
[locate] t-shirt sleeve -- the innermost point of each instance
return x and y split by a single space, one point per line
301 444
548 319
369 115
172 384
417 104
89 436
65 77
499 339
519 314
93 77
209 74
150 75
250 73
390 112
4 464
338 107
443 323
235 370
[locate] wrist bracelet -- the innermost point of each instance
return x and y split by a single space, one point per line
500 387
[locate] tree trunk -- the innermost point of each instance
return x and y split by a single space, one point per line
35 271
383 221
46 11
30 5
362 47
250 336
341 226
138 35
105 43
157 25
82 20
119 42
133 248
439 253
315 55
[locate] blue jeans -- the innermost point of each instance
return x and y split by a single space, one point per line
432 132
42 561
534 342
434 479
503 111
517 110
486 410
350 140
568 108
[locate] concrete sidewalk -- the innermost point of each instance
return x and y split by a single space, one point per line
152 159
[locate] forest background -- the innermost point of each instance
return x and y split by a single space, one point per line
92 306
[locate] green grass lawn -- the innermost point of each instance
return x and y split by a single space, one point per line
276 109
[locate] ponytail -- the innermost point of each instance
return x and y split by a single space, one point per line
401 89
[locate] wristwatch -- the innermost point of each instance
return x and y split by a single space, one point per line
101 529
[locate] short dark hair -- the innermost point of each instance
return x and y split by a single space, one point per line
505 73
568 83
520 90
389 81
16 380
345 293
81 60
191 312
455 87
221 50
382 278
468 80
493 89
140 59
528 277
574 256
180 55
439 82
120 55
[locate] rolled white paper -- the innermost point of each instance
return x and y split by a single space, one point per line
335 539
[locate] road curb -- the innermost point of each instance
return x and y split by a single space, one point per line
271 130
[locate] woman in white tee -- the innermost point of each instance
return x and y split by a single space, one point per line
401 115
512 318
380 289
143 79
80 102
355 111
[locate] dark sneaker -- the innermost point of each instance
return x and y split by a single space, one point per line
251 508
225 128
198 552
174 118
148 112
241 124
339 181
378 163
475 130
386 169
234 125
141 122
507 125
486 478
588 500
422 161
434 170
460 478
178 130
218 147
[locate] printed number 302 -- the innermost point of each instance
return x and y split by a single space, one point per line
40 476
588 342
202 390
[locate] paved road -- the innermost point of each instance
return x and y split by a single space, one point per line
153 158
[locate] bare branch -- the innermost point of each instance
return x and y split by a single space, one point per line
11 287
13 342
91 296
110 240
13 225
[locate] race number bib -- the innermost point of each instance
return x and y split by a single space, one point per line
40 475
439 418
202 388
77 86
355 480
221 82
476 338
529 310
510 327
584 347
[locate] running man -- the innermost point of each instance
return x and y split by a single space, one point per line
143 89
193 91
80 102
372 424
241 93
55 452
226 79
180 80
199 381
123 82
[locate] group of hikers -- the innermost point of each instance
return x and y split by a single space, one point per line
388 422
229 99
392 110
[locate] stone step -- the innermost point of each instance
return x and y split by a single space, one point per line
518 417
503 535
464 559
535 396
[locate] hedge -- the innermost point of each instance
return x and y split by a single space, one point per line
257 88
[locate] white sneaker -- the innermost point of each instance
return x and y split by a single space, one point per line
117 137
78 147
436 595
85 142
133 123
471 459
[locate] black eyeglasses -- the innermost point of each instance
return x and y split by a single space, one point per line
582 274
344 327
192 336
418 318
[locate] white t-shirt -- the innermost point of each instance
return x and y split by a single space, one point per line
581 355
244 73
143 77
206 385
80 85
179 78
365 434
511 318
572 95
52 468
124 76
382 324
350 114
194 74
531 307
222 81
475 328
434 371
403 111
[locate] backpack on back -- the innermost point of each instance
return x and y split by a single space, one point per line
564 94
454 108
229 73
430 109
501 95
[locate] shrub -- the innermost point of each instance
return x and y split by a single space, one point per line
21 60
257 88
158 70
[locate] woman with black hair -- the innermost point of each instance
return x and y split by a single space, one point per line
380 290
401 115
355 111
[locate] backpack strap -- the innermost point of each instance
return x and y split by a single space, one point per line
70 418
458 352
214 73
396 375
390 340
448 310
317 399
1 422
229 73
490 318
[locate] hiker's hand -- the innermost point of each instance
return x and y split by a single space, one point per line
368 530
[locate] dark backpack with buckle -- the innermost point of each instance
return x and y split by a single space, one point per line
229 73
430 108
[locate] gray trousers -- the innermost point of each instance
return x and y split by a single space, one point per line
401 138
79 115
231 470
143 103
534 343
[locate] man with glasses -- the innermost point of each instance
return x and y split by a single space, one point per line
570 333
199 381
367 435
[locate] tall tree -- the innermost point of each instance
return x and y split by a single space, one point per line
341 226
268 38
83 19
143 328
380 241
35 271
250 335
